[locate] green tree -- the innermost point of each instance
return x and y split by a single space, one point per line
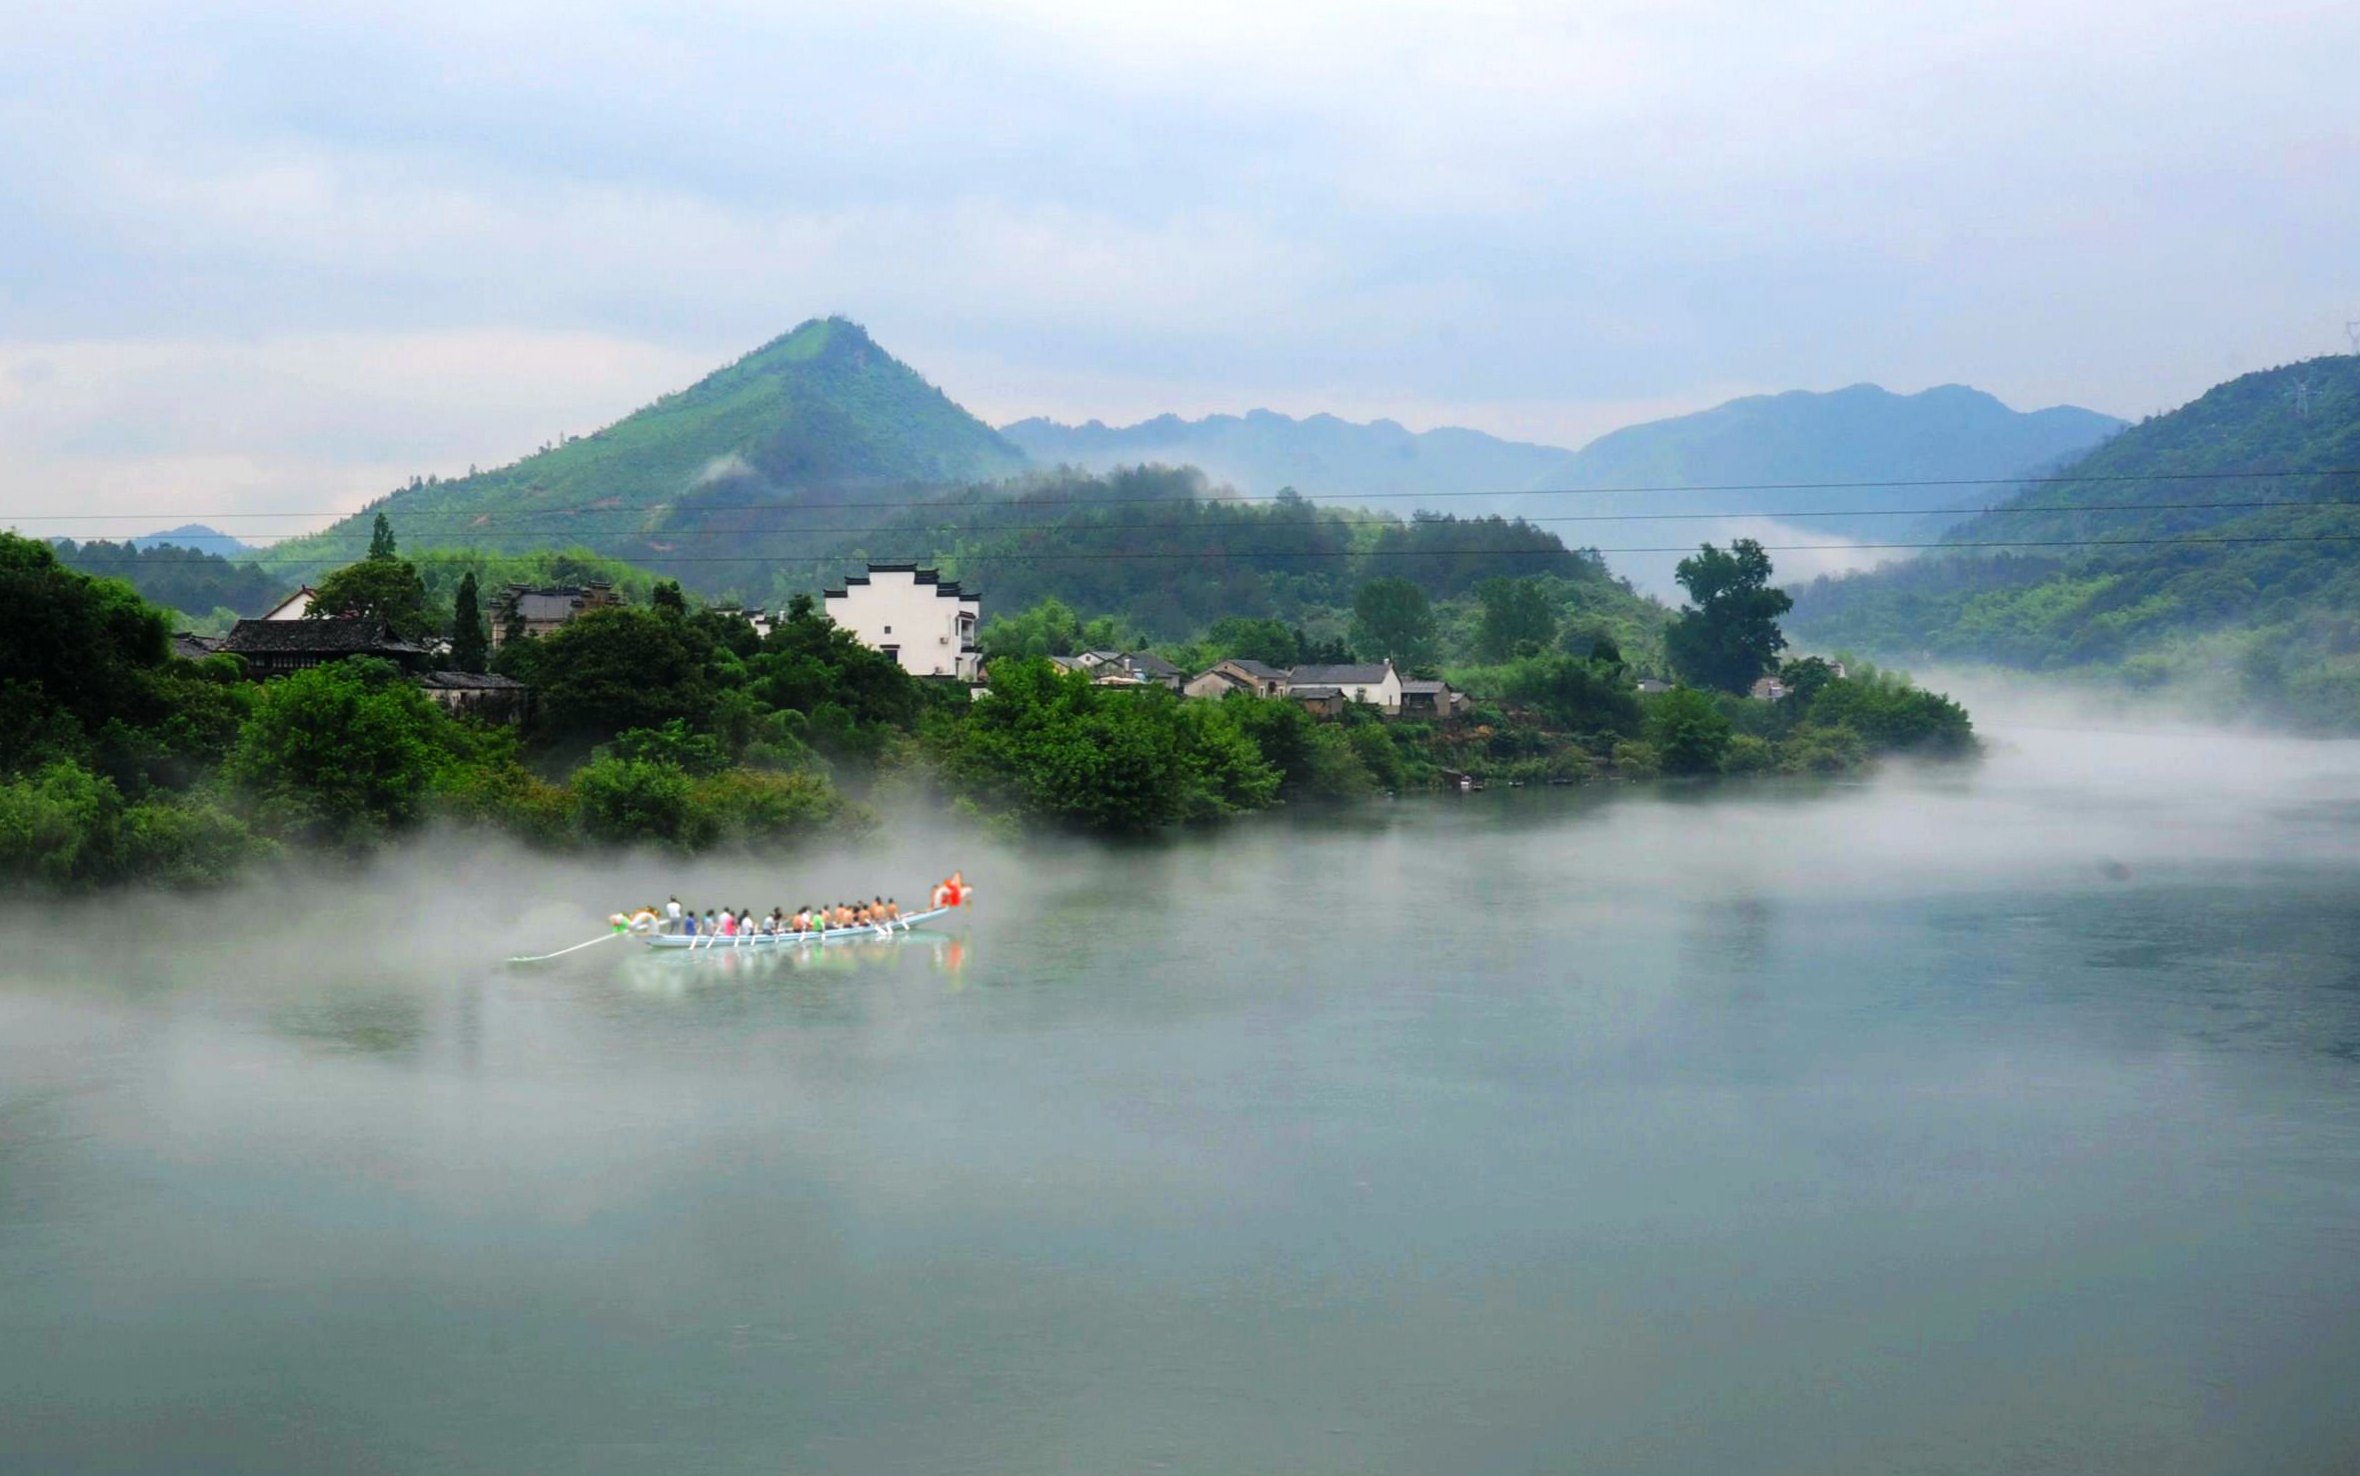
613 669
668 599
1391 618
1576 696
1688 732
75 652
1516 613
381 544
471 644
1255 638
339 755
1730 636
388 588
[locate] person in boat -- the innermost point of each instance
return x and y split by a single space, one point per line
644 920
892 910
672 916
688 922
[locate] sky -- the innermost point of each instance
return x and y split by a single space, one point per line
267 257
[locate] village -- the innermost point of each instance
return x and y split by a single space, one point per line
926 624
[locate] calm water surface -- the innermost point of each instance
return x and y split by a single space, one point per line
1961 1124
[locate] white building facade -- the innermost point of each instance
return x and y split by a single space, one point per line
914 617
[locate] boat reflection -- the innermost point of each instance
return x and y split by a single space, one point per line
676 972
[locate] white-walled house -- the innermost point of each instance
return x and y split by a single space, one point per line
1375 683
911 615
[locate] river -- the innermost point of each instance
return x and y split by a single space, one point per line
1958 1122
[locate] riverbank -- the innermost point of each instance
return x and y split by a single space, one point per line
687 730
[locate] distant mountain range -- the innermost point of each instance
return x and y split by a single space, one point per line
1855 435
196 536
2213 545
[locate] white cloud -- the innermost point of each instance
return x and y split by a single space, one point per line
272 246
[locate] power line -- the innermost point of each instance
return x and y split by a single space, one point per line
1730 515
182 553
1337 501
2190 540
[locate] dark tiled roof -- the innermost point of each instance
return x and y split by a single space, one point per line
1424 689
1148 664
1259 671
1365 674
469 681
348 635
189 647
1316 693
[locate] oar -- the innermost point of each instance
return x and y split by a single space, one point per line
530 958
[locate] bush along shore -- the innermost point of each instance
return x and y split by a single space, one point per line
659 724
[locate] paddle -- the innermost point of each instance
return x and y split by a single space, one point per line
531 958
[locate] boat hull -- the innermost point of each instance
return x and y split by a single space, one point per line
773 942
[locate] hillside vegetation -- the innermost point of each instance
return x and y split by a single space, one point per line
2252 596
711 482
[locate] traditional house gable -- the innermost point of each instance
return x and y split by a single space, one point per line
913 616
294 607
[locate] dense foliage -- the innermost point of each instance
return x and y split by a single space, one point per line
192 581
2208 549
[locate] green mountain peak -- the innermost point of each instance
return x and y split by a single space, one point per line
811 414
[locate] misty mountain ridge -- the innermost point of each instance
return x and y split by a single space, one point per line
193 535
1861 434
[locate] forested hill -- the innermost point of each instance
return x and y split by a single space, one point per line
734 461
2265 614
1154 547
1860 434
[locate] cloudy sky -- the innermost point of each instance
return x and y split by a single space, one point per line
264 256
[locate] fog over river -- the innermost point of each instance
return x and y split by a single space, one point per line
1994 1120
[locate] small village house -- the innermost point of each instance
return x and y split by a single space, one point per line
913 616
274 648
1433 700
1374 683
540 610
485 696
1237 675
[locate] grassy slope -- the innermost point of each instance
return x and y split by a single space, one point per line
818 411
2273 625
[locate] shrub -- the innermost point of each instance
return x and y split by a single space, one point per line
1689 733
744 808
1811 749
1634 759
1748 754
633 801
